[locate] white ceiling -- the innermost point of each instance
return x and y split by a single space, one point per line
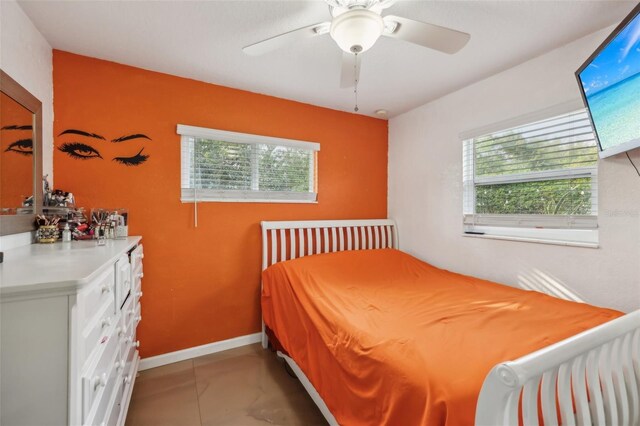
203 40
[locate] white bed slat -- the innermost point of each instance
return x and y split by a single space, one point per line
283 245
619 388
293 244
349 232
325 233
593 384
564 395
530 402
608 394
635 354
301 243
265 251
318 241
274 246
548 398
511 413
309 242
632 382
369 238
376 237
383 232
356 238
341 232
578 384
389 239
334 240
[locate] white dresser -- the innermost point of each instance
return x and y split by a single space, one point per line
68 318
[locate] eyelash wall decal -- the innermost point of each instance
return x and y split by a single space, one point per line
136 160
79 151
22 147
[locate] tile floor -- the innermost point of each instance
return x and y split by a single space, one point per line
240 387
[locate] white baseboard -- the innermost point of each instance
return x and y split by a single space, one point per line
196 351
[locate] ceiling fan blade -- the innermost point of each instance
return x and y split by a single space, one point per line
350 70
290 37
428 35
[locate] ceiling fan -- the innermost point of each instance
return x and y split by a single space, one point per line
356 25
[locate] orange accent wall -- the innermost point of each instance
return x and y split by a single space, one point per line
201 285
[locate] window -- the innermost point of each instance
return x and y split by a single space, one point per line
225 166
533 181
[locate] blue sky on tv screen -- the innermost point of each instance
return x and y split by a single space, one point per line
619 60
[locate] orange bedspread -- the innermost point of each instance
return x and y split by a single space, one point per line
387 339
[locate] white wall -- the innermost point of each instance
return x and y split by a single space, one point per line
26 56
425 188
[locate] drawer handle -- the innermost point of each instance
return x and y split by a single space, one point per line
106 288
106 322
100 381
137 343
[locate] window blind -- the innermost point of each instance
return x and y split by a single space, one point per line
541 174
226 166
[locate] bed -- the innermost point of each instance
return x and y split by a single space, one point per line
379 337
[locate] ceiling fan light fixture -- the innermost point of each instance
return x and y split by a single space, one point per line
356 30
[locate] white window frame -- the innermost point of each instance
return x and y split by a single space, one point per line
573 230
190 195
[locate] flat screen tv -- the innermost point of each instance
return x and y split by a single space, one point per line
610 85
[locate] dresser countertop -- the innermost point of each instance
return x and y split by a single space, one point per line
59 267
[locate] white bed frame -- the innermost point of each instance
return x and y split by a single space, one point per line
603 362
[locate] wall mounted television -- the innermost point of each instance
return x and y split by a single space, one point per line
610 85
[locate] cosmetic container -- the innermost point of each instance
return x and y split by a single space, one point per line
66 234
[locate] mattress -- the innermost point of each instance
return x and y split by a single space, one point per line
387 339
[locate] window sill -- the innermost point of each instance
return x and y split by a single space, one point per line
534 240
247 200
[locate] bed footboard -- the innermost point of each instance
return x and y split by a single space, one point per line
593 377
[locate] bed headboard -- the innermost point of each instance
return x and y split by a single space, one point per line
289 240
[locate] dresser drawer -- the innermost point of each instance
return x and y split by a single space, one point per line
128 312
137 316
96 294
113 412
129 356
123 280
137 255
98 383
107 410
136 258
137 286
96 333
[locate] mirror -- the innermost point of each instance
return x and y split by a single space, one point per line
20 157
16 157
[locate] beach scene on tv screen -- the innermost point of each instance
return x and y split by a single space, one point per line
611 84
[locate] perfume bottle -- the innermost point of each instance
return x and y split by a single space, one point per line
66 234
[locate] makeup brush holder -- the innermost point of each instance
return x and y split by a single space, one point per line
47 234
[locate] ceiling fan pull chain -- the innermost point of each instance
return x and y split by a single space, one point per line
355 78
